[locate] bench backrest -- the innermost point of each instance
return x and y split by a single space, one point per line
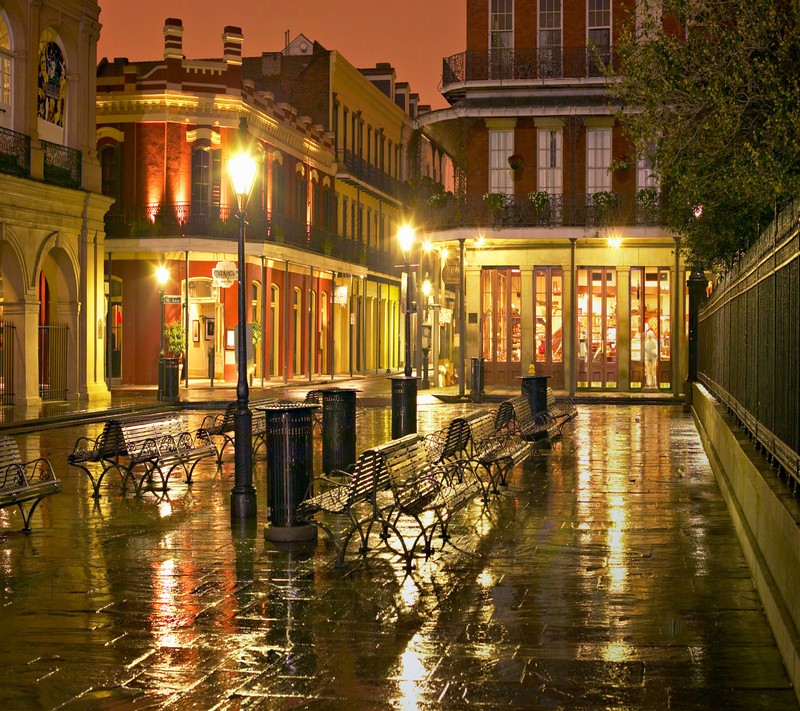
482 428
409 466
9 452
12 473
517 410
454 440
138 431
111 441
551 399
370 474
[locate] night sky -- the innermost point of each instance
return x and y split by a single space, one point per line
413 35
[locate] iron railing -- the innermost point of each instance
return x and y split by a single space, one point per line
538 63
8 336
595 210
53 359
15 153
747 341
62 165
356 167
220 222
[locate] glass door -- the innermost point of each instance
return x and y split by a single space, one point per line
548 331
597 327
500 326
650 328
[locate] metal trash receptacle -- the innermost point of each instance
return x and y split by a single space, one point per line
169 379
404 405
290 468
338 428
476 379
534 387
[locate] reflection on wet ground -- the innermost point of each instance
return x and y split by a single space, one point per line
607 576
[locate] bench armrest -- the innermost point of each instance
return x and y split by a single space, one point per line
39 469
84 448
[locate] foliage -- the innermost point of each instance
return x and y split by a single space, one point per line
515 161
604 200
257 332
495 202
174 339
540 200
647 198
440 198
717 110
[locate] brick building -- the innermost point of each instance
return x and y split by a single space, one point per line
567 269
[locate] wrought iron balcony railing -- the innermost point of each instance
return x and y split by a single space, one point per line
220 222
527 64
62 165
15 153
595 210
356 167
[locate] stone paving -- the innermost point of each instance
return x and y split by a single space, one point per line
608 575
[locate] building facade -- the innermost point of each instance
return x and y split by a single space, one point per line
51 211
320 252
567 270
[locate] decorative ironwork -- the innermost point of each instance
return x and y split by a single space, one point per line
527 64
62 165
15 153
353 166
748 336
53 359
7 350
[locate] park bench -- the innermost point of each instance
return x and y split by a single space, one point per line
419 487
139 447
515 415
219 427
24 483
345 493
314 397
451 442
497 452
563 409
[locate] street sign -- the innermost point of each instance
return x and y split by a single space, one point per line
170 299
451 274
224 274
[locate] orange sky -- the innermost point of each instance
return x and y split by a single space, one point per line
413 35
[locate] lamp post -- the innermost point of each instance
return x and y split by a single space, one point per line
404 388
242 169
426 331
162 276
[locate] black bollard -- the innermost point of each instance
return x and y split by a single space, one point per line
404 406
338 428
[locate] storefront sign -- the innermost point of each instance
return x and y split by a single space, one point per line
224 274
446 316
451 274
340 295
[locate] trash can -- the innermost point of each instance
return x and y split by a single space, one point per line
404 405
169 379
534 387
338 428
290 468
476 379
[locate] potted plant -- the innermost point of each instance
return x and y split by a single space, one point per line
515 161
174 343
647 205
495 202
174 339
603 201
540 202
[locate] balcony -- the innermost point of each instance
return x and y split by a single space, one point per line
62 165
526 64
356 171
596 210
219 222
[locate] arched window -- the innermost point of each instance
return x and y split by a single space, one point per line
6 66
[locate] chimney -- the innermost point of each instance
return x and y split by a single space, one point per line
232 45
173 39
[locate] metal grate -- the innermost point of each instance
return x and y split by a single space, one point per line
8 336
53 341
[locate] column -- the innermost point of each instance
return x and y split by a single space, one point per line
528 314
624 328
24 316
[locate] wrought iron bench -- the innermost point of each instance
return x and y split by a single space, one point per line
362 490
563 409
24 482
515 415
221 426
496 451
452 442
418 487
139 447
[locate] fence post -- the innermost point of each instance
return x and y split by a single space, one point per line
697 288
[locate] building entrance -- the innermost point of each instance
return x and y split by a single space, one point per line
597 327
500 325
549 332
650 328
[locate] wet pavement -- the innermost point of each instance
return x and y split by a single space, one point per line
608 575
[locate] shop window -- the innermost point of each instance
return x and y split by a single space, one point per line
650 328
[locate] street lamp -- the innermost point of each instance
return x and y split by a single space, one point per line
162 276
405 236
242 168
426 331
404 387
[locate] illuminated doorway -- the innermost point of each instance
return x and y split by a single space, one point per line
650 328
549 330
597 327
500 326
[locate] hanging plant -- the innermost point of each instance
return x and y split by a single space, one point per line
515 161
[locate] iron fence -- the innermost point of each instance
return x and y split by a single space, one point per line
15 153
749 332
53 344
7 342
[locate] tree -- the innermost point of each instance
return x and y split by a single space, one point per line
714 101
